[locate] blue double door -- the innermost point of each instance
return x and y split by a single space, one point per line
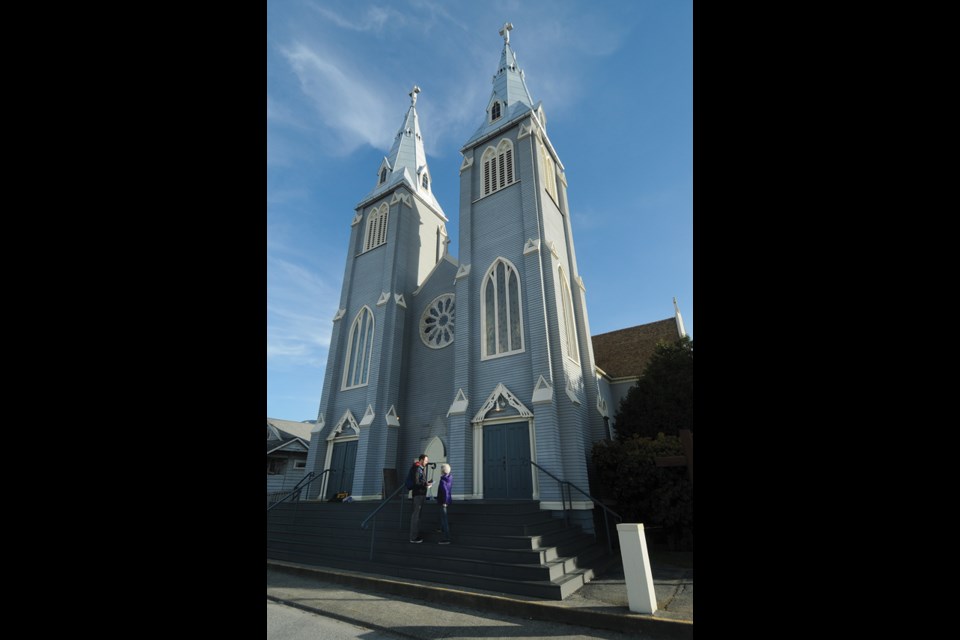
506 472
342 463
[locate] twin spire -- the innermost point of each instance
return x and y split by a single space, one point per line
407 162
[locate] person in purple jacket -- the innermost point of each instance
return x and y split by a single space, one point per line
444 496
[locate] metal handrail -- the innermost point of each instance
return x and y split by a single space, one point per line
560 482
302 484
606 510
563 500
373 514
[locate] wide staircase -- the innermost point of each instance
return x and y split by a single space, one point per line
504 546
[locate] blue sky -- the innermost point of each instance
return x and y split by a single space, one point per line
616 81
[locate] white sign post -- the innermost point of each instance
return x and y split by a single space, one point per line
636 568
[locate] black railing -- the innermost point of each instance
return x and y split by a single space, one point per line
373 514
300 486
565 496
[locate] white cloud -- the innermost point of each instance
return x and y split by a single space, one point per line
374 19
300 305
352 110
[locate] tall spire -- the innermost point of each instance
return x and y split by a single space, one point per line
407 161
680 329
510 97
508 83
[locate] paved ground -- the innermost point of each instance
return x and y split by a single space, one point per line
424 610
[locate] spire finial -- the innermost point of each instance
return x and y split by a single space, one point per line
505 32
680 328
413 95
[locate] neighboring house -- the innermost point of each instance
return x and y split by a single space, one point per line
287 445
621 357
485 361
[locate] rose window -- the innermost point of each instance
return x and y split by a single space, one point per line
436 324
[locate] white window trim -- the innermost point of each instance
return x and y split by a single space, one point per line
495 154
500 115
366 351
483 311
375 233
299 464
569 321
549 175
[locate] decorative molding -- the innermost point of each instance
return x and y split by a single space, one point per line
356 219
347 420
317 428
574 398
526 129
553 249
580 284
563 177
532 246
340 314
602 406
462 272
367 417
459 405
543 392
398 298
401 196
393 420
467 163
501 391
384 297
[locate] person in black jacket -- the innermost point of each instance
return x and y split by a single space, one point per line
418 478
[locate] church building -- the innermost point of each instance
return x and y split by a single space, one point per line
483 361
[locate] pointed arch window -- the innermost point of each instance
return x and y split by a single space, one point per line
376 234
501 318
495 111
425 182
383 175
549 173
498 167
569 326
356 370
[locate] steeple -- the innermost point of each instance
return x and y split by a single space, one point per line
680 329
510 97
508 83
407 161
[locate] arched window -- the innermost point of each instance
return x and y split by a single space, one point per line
425 182
569 326
495 111
498 167
501 318
356 368
549 173
376 227
383 175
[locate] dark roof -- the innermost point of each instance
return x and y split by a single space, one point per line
625 352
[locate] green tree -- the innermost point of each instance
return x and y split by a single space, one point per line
662 400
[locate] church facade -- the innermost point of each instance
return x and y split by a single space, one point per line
485 361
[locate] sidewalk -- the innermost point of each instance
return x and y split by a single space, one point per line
429 610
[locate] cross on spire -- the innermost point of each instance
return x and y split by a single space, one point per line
413 95
505 32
